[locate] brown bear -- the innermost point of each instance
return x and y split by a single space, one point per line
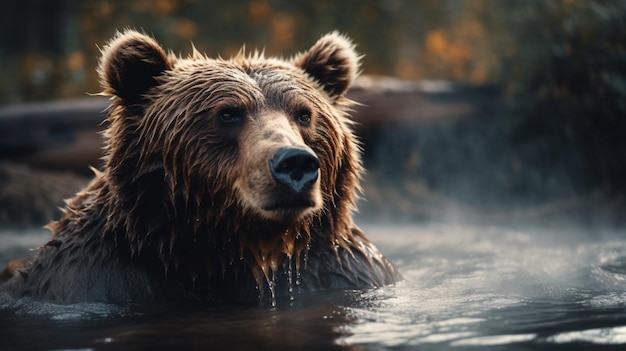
223 180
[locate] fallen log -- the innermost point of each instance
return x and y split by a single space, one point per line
54 135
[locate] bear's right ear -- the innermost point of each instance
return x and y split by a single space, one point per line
130 63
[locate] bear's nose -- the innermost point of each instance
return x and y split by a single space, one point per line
296 167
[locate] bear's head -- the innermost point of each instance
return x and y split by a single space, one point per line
253 157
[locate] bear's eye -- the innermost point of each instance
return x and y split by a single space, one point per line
230 115
304 117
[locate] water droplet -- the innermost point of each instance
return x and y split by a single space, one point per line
272 284
290 279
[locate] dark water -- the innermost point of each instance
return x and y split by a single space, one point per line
467 287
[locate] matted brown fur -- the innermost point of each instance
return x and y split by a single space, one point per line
186 206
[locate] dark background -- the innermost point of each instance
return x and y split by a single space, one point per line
548 79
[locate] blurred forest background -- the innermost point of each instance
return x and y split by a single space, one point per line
554 135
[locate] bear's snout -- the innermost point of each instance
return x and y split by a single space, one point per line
294 167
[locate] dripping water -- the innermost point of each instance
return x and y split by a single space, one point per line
272 285
306 257
290 279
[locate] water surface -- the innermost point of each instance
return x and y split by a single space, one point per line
466 287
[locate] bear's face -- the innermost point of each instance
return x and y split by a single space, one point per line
267 137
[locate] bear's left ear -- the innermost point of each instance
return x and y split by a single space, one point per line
332 62
130 63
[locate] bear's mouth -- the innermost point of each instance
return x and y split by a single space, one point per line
289 205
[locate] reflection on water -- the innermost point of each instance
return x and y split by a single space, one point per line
466 287
615 335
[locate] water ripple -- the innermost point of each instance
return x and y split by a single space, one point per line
605 336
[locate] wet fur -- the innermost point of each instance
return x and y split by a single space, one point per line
175 213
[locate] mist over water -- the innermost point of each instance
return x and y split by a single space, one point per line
466 286
483 286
